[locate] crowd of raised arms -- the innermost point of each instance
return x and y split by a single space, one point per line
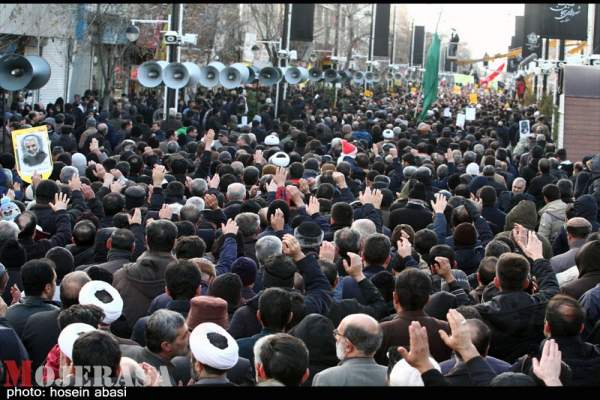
330 245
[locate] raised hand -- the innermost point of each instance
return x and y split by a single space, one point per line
158 175
280 177
533 248
418 356
211 202
230 227
272 186
213 183
209 138
339 179
116 187
295 195
258 157
327 251
166 212
94 146
75 183
88 192
16 186
136 218
108 179
376 198
394 152
304 186
151 375
277 220
291 247
355 268
10 194
61 201
439 206
366 197
314 207
450 155
549 367
117 173
375 149
15 294
36 178
443 269
460 341
404 247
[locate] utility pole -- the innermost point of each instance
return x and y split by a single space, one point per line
173 50
393 53
285 44
545 79
371 42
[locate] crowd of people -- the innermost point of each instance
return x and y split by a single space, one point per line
344 245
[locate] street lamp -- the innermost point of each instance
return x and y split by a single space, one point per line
133 33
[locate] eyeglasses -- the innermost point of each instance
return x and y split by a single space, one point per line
337 333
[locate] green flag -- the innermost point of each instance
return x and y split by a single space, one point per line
429 87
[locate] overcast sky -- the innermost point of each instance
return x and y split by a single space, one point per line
486 27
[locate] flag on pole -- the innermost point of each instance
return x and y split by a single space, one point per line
430 79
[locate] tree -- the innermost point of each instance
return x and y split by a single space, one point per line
268 22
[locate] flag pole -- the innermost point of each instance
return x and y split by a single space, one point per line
420 96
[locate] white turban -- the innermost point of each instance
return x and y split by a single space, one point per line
103 295
69 335
272 140
388 134
280 159
208 354
404 375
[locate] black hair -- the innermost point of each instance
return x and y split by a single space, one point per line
413 288
227 286
97 348
564 315
188 247
161 235
512 270
275 306
182 279
342 214
63 260
376 249
113 203
284 358
78 313
36 274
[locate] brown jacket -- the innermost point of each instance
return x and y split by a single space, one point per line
395 333
140 282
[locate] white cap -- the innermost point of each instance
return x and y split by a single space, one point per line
268 101
272 140
207 353
69 335
280 159
473 169
404 375
103 295
388 134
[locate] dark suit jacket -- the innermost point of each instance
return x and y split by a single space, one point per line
395 333
40 335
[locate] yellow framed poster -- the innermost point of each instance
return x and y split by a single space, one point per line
32 152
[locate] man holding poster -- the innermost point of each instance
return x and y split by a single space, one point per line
32 152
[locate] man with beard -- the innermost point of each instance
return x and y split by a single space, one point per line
32 151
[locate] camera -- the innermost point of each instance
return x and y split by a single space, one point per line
171 38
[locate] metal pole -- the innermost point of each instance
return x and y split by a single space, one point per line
287 44
590 33
393 54
412 44
166 95
371 42
545 79
173 52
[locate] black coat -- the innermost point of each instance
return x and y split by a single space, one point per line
536 186
39 248
40 335
412 214
517 318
